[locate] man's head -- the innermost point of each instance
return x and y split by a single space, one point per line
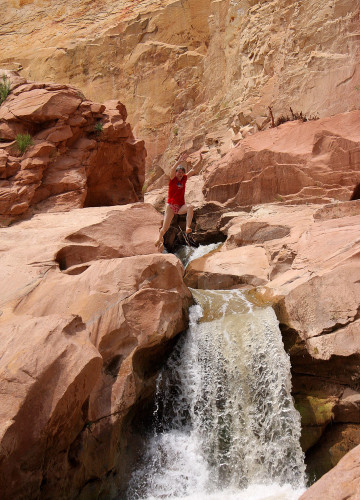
180 172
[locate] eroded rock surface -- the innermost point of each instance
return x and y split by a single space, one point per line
341 483
197 72
83 153
87 316
297 162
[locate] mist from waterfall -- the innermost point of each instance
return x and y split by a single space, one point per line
225 426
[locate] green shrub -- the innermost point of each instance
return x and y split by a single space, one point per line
98 128
4 88
23 141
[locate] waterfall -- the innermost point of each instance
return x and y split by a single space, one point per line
187 254
225 425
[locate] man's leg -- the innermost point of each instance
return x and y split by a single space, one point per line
189 211
168 217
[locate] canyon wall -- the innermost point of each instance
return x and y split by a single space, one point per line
89 308
193 74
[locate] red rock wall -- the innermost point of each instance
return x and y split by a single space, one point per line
194 73
71 163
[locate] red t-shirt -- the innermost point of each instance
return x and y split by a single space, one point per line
177 191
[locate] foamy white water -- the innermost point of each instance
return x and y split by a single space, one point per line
226 427
187 254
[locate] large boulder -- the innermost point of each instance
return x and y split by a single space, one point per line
341 483
296 162
89 311
49 369
81 153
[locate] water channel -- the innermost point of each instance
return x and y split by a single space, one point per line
225 427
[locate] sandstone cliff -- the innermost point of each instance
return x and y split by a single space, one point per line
89 307
196 74
193 73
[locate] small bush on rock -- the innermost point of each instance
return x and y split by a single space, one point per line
98 128
23 141
4 88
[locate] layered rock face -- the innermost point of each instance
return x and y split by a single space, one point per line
87 315
193 73
82 153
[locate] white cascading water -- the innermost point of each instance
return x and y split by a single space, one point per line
225 425
187 254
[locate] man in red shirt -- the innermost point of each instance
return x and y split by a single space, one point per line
176 197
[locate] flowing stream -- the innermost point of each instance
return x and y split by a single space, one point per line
225 426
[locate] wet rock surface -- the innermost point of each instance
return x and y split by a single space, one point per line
341 483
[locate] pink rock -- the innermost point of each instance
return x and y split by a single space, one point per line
116 105
104 167
297 161
78 379
40 149
49 368
341 483
311 275
240 266
97 108
40 105
56 134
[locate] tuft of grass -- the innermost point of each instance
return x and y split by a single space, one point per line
176 131
282 119
23 142
4 88
278 197
98 128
